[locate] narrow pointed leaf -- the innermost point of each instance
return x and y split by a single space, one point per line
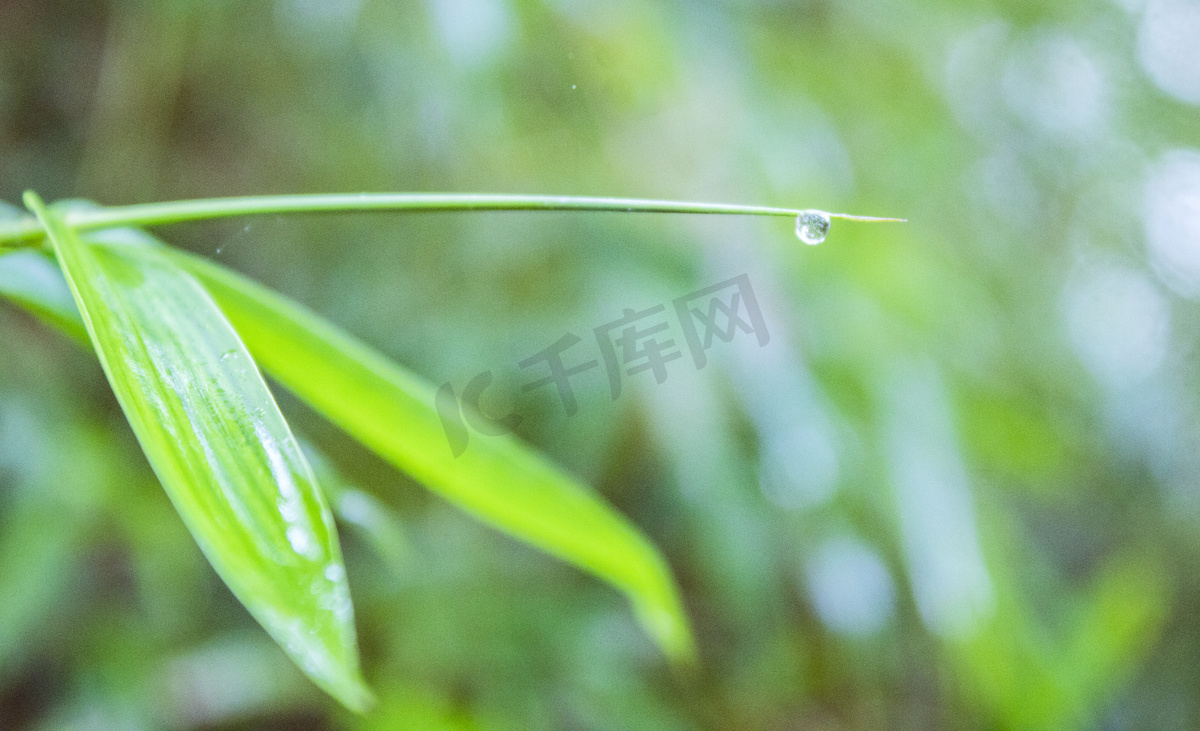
497 479
220 447
32 280
361 512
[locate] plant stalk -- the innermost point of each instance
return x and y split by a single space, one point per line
28 232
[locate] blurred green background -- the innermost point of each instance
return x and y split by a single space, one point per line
959 488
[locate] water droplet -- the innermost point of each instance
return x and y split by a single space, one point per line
812 227
303 542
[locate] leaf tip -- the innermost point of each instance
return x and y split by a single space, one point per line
330 662
667 624
354 693
33 201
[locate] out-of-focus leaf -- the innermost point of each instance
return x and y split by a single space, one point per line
215 438
362 512
38 562
497 479
1117 625
31 279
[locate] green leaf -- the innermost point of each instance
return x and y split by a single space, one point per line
31 279
361 512
219 445
496 479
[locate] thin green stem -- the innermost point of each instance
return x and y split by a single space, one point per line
27 231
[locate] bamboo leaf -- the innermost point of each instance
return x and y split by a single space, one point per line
496 479
219 445
31 279
361 512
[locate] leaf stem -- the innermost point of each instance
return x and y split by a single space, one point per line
27 231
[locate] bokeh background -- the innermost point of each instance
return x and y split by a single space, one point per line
959 488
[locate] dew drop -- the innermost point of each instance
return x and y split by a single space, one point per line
812 227
302 541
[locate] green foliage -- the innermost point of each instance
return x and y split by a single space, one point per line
956 490
31 279
222 450
187 379
498 480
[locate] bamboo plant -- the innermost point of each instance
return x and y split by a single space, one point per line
184 343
